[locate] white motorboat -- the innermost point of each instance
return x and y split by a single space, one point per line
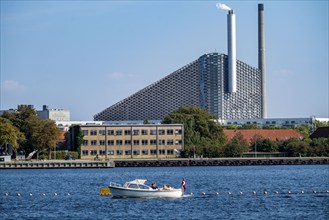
138 189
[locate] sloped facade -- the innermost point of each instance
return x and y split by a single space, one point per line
203 83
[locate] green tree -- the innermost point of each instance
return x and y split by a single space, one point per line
267 145
146 122
321 124
304 130
250 126
45 136
294 147
9 134
200 130
236 146
76 138
39 134
319 147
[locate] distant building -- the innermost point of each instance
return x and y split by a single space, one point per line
273 122
46 113
321 132
65 125
132 141
275 135
54 114
203 83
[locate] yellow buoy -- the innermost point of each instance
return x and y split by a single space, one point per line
104 191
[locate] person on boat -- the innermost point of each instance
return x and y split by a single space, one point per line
168 186
154 186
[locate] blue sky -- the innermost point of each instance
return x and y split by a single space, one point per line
85 56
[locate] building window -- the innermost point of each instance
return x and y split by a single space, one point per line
118 132
85 153
102 152
119 152
127 132
93 142
93 152
136 152
127 142
101 132
145 142
110 142
178 142
178 131
118 142
144 132
162 142
153 132
85 143
135 132
127 152
93 132
110 152
153 152
84 132
170 142
110 132
170 152
170 132
162 152
145 152
161 132
102 142
153 142
136 142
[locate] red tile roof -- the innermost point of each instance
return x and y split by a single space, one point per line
274 134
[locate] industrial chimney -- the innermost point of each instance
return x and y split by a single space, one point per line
261 56
231 47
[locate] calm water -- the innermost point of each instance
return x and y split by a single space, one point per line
78 193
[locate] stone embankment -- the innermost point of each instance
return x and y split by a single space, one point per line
56 164
222 162
179 162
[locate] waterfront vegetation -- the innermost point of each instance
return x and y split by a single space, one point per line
203 136
25 132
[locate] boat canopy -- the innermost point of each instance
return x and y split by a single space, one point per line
136 181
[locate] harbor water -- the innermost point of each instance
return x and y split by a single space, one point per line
213 192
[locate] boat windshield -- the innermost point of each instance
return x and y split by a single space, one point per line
138 186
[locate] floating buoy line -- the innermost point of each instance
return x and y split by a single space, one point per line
240 193
265 193
30 194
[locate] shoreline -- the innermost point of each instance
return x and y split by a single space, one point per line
176 162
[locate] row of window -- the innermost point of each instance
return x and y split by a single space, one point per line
131 142
131 132
126 152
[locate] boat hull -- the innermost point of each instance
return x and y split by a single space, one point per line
145 193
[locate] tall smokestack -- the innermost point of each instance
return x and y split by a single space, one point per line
231 51
261 56
231 47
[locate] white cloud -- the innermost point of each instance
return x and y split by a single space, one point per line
11 85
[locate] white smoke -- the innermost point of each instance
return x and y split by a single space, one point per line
223 7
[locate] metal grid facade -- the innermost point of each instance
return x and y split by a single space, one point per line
203 83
